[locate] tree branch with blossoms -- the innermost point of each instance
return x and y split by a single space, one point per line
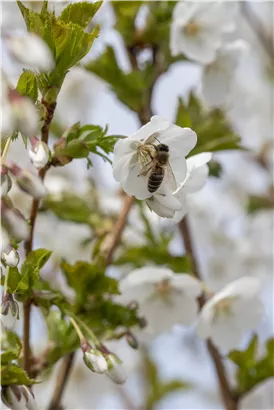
160 169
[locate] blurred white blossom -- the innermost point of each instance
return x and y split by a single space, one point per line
29 49
165 298
197 28
230 313
219 75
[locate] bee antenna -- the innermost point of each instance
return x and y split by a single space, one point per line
157 140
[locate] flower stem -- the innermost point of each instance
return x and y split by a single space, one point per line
5 150
6 279
78 330
229 399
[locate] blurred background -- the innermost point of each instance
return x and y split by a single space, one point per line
231 219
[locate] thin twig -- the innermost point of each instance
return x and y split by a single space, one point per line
118 228
29 242
66 368
229 399
63 377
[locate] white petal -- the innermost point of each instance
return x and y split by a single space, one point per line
150 274
226 334
31 50
188 284
204 326
245 287
180 142
157 124
248 314
136 184
160 209
178 216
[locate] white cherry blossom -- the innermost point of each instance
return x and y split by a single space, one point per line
165 298
30 49
170 204
131 153
219 75
197 29
226 317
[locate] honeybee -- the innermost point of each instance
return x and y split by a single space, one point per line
158 167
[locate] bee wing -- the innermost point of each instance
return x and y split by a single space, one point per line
170 177
144 171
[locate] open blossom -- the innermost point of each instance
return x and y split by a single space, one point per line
197 29
219 75
170 204
231 312
165 298
31 50
132 153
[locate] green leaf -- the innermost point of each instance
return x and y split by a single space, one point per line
131 89
11 346
30 269
80 13
27 85
69 207
251 369
13 374
68 41
13 280
126 13
62 336
74 149
213 130
105 316
257 203
87 279
140 256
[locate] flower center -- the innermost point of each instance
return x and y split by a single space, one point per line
192 29
146 153
163 288
223 307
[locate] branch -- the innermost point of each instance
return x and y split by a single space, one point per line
29 242
65 370
229 399
62 380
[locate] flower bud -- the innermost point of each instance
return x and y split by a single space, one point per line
6 182
9 310
14 222
39 153
94 359
30 399
132 341
24 113
10 256
30 49
28 182
4 238
116 371
13 398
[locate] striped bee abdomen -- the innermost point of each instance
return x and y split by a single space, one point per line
156 178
